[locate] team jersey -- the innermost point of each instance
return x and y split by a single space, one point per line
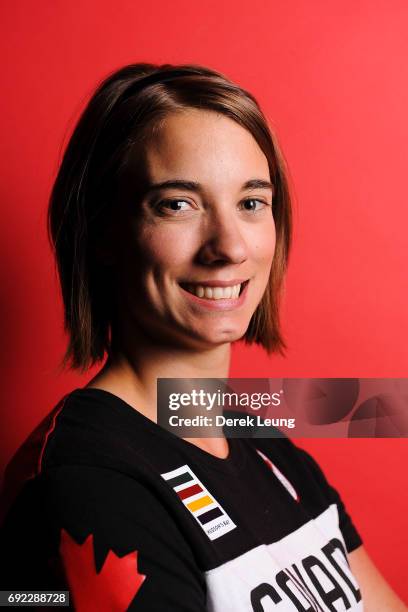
103 502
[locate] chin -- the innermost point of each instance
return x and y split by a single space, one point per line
222 336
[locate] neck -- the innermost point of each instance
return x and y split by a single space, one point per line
132 370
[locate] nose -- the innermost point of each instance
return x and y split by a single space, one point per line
223 241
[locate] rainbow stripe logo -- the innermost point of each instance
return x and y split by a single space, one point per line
208 513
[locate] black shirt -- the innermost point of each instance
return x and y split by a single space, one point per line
103 502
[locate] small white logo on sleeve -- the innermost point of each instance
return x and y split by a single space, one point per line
288 486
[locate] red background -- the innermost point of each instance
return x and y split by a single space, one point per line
332 78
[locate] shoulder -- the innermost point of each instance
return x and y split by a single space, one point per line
300 468
92 499
81 430
307 477
286 454
94 428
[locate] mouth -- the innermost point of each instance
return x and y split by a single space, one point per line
216 292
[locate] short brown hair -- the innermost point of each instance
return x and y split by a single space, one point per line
123 108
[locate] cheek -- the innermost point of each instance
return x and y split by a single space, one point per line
164 249
264 245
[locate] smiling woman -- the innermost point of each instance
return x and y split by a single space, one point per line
170 164
170 222
196 244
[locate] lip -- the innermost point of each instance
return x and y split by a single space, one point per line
222 304
216 283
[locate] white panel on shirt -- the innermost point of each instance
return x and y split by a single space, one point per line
260 580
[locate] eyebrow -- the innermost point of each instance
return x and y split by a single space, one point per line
194 186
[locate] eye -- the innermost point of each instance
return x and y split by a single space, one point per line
174 206
253 205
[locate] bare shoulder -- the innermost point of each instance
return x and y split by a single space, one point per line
376 592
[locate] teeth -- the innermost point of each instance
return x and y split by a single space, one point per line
215 293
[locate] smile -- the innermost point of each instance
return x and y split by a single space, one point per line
214 293
217 294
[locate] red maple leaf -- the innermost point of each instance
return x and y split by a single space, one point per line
110 590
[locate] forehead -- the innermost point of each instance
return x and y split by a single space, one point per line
205 146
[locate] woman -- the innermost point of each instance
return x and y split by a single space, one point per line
170 219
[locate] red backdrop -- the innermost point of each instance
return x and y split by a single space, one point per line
332 78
